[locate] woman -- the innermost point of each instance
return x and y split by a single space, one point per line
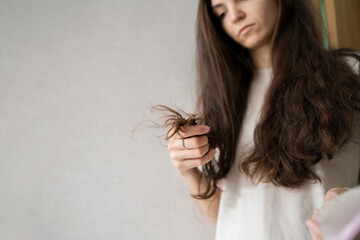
282 112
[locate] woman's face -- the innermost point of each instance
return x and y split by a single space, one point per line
234 15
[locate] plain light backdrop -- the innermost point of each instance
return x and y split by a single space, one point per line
75 79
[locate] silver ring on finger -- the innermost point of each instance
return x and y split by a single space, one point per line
182 143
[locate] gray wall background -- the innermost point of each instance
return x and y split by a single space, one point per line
75 79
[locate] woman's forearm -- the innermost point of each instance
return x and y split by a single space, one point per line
209 206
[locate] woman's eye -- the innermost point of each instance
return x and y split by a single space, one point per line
222 15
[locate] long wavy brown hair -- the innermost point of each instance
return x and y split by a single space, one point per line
310 107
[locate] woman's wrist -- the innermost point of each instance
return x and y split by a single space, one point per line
189 172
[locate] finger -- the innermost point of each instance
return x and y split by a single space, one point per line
189 143
193 130
314 228
170 134
191 163
333 193
190 153
313 237
315 214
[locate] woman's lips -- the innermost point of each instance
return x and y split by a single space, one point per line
245 29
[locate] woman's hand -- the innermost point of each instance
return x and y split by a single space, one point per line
312 224
197 148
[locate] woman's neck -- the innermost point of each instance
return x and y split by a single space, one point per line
261 57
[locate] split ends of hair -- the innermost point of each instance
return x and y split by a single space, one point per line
172 118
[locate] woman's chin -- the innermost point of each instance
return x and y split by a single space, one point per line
249 43
252 44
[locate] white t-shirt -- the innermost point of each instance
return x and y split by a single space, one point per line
266 211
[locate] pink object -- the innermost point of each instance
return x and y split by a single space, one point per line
340 217
352 229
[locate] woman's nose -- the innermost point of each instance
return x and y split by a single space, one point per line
235 13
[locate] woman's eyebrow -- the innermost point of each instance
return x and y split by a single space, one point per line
217 5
